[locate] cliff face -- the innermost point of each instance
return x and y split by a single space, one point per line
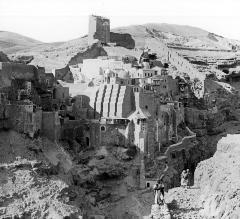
218 179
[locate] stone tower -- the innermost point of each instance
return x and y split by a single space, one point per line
99 28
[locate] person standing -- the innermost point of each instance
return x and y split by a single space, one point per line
184 177
188 178
159 192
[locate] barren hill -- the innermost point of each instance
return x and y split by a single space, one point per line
56 55
11 42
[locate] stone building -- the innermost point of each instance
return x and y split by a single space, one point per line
99 28
51 125
10 71
63 74
25 118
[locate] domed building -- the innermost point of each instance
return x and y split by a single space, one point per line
123 74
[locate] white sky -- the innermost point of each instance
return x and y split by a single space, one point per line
60 20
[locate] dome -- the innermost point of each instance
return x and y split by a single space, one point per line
123 74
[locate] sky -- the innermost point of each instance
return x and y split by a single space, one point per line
62 20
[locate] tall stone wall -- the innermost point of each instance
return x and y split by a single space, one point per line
51 125
99 28
64 74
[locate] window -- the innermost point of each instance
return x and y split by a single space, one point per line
103 128
173 155
146 107
87 141
148 184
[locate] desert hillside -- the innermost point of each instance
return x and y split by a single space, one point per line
56 55
218 180
12 42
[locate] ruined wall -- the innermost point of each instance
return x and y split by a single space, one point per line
64 74
114 134
122 39
92 52
9 70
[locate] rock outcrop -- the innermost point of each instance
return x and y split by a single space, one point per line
218 179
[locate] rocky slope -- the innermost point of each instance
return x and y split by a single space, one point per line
11 42
41 179
218 179
30 185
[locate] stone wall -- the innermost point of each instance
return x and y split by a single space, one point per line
61 93
4 116
123 40
64 74
99 28
92 52
24 119
114 134
10 70
182 65
51 125
87 134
